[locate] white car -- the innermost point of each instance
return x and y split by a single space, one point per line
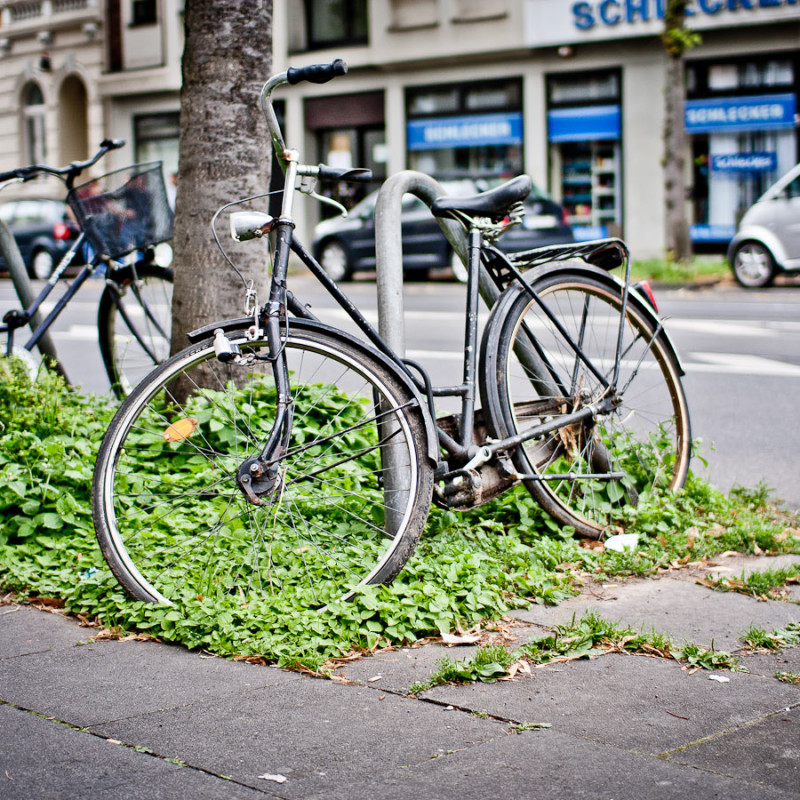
767 240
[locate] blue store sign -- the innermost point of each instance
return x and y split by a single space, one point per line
763 112
745 162
466 131
587 124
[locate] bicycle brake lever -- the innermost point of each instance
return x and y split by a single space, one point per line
322 199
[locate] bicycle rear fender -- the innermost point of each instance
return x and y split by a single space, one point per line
510 295
242 323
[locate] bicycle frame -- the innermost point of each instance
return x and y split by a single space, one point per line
462 450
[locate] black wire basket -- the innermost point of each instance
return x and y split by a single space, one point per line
125 210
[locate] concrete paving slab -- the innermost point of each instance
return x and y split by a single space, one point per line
736 565
686 611
645 705
44 760
25 630
328 740
767 752
107 680
397 670
548 764
767 664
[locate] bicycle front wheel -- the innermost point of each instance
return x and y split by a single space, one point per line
583 474
351 500
134 322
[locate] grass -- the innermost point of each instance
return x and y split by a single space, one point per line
587 637
469 569
700 269
768 584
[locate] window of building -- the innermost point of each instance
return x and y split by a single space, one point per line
33 122
144 12
331 23
584 128
740 118
466 130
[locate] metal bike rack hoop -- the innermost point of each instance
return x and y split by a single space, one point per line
389 250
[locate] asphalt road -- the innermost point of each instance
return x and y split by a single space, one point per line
740 350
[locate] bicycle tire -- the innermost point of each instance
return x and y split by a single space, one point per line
172 522
646 439
133 322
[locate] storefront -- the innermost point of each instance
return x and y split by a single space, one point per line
584 132
466 130
741 117
350 132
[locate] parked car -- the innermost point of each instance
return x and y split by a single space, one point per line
767 240
344 246
44 231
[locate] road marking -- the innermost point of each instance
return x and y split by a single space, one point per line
741 364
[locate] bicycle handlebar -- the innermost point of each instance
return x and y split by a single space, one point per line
314 73
71 171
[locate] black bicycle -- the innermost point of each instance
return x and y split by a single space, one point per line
121 216
277 454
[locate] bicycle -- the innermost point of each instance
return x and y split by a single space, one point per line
279 455
123 213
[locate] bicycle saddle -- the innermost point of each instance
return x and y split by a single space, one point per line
493 203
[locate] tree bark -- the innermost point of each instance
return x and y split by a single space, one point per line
676 41
224 155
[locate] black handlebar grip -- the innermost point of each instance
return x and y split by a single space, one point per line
316 73
7 176
352 175
112 144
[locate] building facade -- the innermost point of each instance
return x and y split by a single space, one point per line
569 92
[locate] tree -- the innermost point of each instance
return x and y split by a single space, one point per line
224 154
677 39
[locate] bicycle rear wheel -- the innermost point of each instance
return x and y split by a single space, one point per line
134 322
351 502
585 473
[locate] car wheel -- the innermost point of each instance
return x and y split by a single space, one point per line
42 264
753 265
460 271
335 260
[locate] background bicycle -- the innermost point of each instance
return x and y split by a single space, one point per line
280 455
119 218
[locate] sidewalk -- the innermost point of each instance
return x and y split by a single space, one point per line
136 719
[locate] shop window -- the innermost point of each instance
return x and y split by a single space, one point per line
33 112
466 131
740 118
331 23
144 12
156 139
585 132
413 14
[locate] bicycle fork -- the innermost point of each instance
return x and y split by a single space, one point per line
259 476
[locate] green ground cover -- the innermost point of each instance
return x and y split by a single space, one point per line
469 569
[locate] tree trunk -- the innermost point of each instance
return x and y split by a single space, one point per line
676 41
224 156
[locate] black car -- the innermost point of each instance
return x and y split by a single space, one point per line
347 245
44 231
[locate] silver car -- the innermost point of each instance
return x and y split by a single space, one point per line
767 240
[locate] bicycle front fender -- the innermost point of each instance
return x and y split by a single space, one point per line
243 323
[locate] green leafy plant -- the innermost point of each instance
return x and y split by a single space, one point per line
788 677
467 569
